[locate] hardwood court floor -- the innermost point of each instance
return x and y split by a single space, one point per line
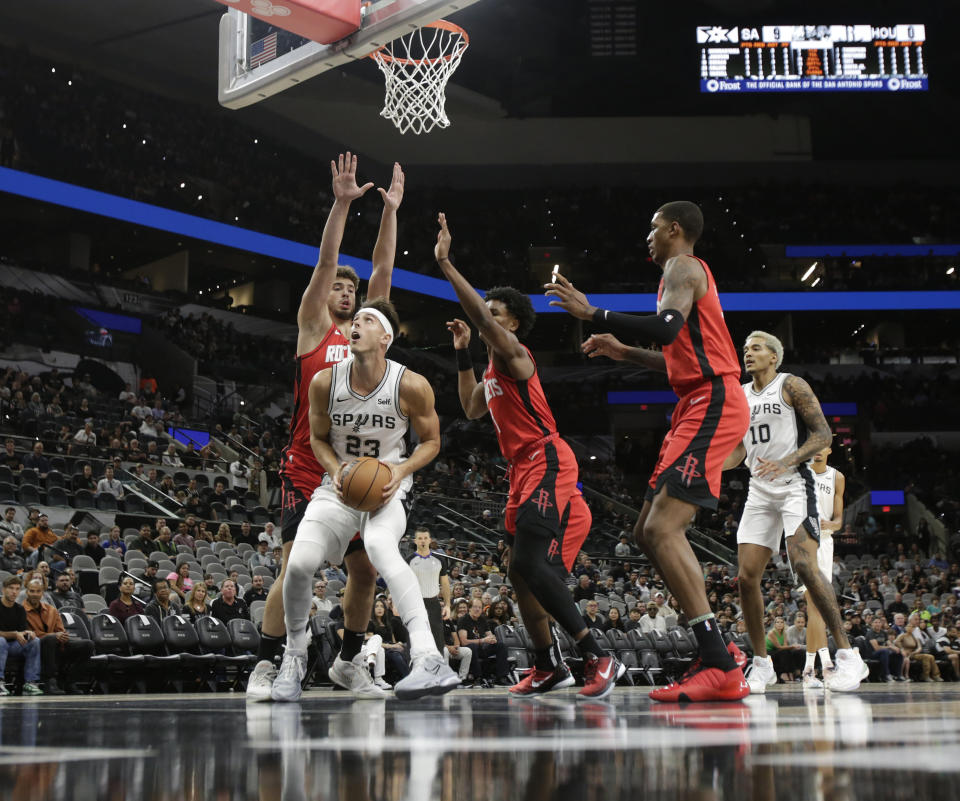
880 744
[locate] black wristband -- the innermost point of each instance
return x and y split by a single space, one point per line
464 362
599 315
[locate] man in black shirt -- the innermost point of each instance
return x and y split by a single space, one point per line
37 461
10 457
65 595
256 591
585 589
476 633
160 607
896 606
16 637
228 606
69 544
247 535
144 543
93 548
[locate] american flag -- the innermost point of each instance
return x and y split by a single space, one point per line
263 50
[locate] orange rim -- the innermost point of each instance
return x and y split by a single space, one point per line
442 24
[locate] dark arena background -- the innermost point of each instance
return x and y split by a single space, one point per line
154 248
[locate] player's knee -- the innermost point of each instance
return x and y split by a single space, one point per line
748 580
298 572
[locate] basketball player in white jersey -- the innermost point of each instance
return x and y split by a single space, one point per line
787 428
830 485
323 321
364 407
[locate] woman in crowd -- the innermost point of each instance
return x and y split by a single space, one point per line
180 581
196 604
383 625
500 614
614 620
912 650
125 605
223 533
785 657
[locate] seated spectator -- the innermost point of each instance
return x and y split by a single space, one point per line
11 560
256 591
127 395
179 581
160 607
16 637
334 573
454 652
86 436
247 535
240 473
614 621
197 605
153 454
664 609
171 458
36 539
500 614
191 459
585 589
10 458
386 644
652 620
476 633
144 542
125 605
108 485
183 537
35 460
633 617
9 526
592 618
164 542
224 534
93 548
115 541
141 411
271 531
912 651
622 548
887 653
261 557
69 543
59 652
84 480
319 603
228 606
64 594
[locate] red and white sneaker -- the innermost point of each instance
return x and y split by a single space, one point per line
537 682
600 674
701 683
738 656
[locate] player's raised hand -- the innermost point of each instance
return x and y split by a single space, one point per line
344 172
461 333
569 298
441 250
393 196
604 345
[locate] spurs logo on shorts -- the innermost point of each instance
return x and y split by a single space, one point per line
688 470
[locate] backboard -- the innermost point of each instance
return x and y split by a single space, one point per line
258 59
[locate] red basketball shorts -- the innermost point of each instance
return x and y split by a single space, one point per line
707 424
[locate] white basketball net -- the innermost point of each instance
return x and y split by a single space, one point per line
416 68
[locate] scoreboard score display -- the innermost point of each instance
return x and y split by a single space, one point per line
812 58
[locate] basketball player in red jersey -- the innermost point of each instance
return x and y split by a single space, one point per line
325 314
708 422
546 514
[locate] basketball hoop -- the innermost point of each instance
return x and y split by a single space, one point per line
417 67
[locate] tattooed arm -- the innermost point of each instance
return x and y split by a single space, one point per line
798 394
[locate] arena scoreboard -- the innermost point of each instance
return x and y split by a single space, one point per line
812 58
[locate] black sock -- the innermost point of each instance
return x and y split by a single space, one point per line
270 647
713 650
548 658
588 645
352 643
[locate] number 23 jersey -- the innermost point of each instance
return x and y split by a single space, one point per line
368 425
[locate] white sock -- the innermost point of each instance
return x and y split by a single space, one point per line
825 661
810 664
380 540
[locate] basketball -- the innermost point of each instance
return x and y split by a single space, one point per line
363 481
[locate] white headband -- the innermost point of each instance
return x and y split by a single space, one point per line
382 318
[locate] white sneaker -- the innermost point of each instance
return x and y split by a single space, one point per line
430 675
760 675
379 681
287 685
261 681
810 681
849 671
355 676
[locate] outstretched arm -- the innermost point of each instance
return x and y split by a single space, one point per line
798 394
385 251
313 317
684 281
608 345
472 399
504 342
